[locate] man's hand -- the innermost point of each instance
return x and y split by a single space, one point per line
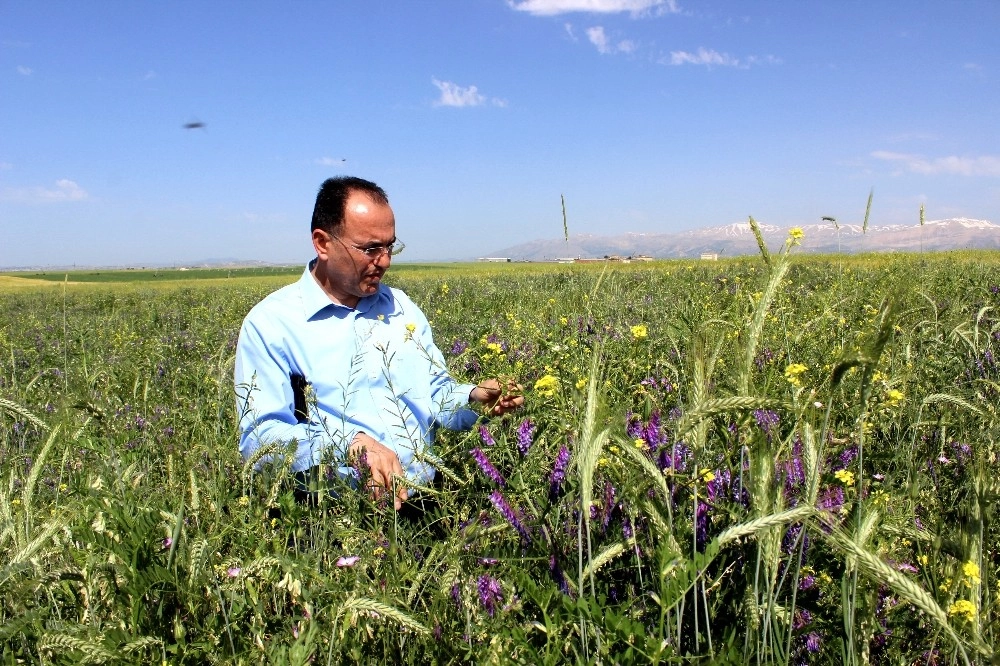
383 463
497 401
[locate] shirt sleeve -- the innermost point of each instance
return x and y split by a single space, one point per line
450 398
265 403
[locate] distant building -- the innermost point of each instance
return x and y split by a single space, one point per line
642 257
496 260
710 256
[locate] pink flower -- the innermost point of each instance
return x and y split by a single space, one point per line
348 561
233 572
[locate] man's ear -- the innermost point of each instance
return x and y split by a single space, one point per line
321 243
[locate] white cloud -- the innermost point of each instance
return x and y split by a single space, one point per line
599 39
65 190
330 161
985 165
25 71
555 7
455 95
703 56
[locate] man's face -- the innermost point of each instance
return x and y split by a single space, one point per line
343 269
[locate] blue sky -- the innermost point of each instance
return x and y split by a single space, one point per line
476 115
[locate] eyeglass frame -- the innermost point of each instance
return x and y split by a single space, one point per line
374 252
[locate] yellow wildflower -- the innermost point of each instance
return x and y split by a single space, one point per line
793 373
411 327
893 397
639 443
547 385
581 383
444 289
964 608
639 332
845 477
795 234
494 347
922 559
563 321
707 476
971 571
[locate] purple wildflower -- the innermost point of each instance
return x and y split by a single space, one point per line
488 469
813 641
652 434
490 593
674 457
167 543
525 433
808 582
795 474
634 426
767 420
721 478
558 575
559 472
801 618
763 358
347 561
486 436
848 456
509 514
627 531
458 347
701 525
609 504
456 594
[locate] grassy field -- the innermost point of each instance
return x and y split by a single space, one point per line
775 459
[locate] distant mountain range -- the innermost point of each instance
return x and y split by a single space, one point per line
738 239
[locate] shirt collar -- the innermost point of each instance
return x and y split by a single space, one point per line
315 300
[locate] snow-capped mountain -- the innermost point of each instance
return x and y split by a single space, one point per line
737 239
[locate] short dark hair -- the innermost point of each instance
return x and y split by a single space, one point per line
328 213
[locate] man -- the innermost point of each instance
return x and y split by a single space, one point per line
345 366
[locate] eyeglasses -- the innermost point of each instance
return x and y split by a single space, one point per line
374 252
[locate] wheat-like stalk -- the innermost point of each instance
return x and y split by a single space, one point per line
883 574
935 398
755 228
365 604
752 527
262 563
195 500
141 644
32 480
716 406
603 557
94 652
197 559
249 467
14 408
647 466
50 528
757 322
429 567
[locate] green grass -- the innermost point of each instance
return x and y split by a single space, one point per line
846 517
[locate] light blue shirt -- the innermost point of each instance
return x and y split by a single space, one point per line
373 369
